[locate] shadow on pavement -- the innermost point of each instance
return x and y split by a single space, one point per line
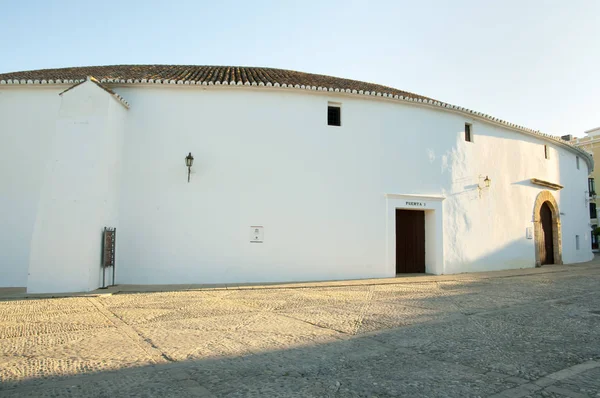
486 337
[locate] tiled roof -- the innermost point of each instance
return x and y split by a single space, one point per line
251 76
200 74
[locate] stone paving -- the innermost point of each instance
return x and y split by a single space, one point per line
528 333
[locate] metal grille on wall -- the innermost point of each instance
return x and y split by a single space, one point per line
108 253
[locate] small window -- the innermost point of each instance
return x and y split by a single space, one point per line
334 115
546 151
468 132
577 162
593 213
591 187
577 242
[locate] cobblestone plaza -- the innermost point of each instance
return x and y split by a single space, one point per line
516 333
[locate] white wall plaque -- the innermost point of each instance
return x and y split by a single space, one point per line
529 233
256 234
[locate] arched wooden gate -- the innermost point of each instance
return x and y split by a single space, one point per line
547 230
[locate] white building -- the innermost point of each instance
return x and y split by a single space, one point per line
296 177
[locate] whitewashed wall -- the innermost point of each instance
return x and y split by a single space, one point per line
26 127
488 233
79 193
267 157
574 207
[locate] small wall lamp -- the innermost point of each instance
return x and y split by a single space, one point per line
486 183
189 161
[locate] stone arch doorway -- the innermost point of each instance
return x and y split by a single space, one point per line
547 230
547 246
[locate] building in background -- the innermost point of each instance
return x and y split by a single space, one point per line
591 144
295 177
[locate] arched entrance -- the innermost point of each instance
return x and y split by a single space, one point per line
547 246
546 220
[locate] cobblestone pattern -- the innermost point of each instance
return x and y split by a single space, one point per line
511 336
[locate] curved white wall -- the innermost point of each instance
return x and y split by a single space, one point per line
267 157
323 194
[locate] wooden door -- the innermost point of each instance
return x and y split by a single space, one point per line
547 246
410 241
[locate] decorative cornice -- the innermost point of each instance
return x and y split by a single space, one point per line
546 184
407 99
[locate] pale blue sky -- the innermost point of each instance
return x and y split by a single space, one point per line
535 63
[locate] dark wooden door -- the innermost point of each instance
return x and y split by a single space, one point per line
410 241
547 246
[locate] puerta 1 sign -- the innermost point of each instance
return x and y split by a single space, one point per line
415 204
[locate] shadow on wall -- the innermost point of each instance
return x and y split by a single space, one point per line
470 188
519 253
574 209
525 183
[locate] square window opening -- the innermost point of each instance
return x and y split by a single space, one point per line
334 114
468 132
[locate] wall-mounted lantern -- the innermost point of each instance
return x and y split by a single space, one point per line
487 182
484 183
189 161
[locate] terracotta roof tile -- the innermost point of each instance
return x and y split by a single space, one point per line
200 74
